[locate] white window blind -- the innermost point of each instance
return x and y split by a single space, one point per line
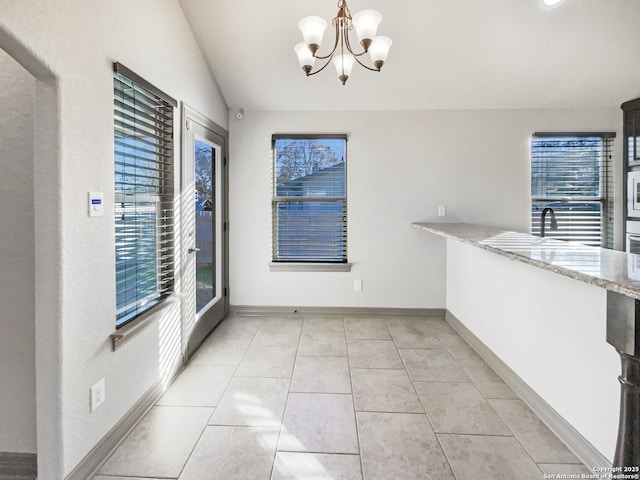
571 173
309 198
144 193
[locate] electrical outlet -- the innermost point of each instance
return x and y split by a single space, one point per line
442 211
357 285
98 394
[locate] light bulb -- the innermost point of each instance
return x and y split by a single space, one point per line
366 24
312 29
343 64
305 57
379 50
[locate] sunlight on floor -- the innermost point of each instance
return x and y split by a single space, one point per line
296 465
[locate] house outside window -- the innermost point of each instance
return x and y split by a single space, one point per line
144 188
572 179
309 206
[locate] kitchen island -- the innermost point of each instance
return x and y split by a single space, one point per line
546 309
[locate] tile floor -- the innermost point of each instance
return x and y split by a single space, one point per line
338 399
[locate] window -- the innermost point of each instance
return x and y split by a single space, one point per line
309 198
571 173
144 188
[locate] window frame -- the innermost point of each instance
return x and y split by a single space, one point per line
310 264
160 173
605 195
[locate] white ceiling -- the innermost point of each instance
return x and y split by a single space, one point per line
446 54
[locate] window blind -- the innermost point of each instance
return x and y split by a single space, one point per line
572 175
144 194
309 199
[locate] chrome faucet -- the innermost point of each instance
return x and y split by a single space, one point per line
554 223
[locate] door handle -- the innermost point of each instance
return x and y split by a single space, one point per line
193 249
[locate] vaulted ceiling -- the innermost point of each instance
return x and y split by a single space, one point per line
446 54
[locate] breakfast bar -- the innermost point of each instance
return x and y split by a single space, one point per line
525 316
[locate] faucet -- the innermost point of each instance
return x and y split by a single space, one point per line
554 223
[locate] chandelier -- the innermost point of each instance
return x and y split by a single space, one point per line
366 25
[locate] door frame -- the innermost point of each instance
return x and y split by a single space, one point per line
194 331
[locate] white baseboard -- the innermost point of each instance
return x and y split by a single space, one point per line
103 449
266 310
586 452
579 445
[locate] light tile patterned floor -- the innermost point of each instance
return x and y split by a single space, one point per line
328 398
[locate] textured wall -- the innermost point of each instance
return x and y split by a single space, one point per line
400 167
549 329
17 260
77 41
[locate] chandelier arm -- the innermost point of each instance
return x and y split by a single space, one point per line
323 67
355 57
342 23
334 48
365 66
351 50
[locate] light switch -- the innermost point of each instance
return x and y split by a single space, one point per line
96 206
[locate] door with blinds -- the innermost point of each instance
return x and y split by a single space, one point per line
204 235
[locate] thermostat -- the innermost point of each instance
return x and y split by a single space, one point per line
96 207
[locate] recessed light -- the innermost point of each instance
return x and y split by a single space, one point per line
552 3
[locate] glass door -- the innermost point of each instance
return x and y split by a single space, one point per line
204 245
207 215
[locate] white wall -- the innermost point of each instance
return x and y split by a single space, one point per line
401 167
549 329
17 260
78 40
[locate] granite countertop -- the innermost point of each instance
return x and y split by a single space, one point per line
609 269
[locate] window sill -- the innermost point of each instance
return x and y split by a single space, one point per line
309 267
124 334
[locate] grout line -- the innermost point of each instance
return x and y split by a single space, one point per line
195 444
517 437
448 381
185 364
227 425
379 368
351 370
221 396
313 452
321 356
286 401
319 393
494 435
351 339
391 412
426 412
446 457
353 400
320 453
